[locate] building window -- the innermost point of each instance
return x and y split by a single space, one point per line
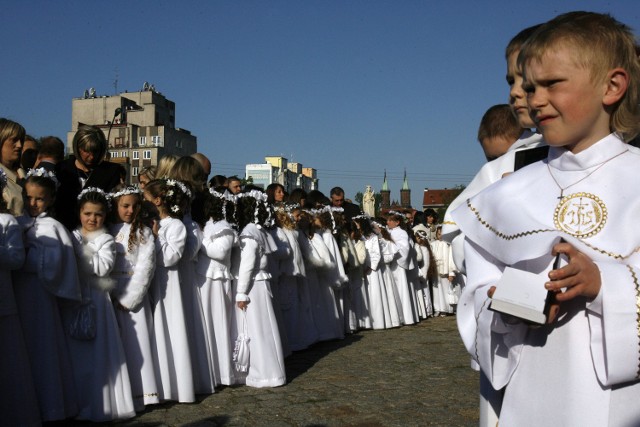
136 155
123 154
146 154
178 144
134 171
157 140
143 141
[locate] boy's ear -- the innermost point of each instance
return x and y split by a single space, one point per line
617 82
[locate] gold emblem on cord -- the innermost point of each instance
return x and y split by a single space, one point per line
580 214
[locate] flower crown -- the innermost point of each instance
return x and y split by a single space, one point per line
43 173
225 197
179 184
3 179
260 198
100 191
126 191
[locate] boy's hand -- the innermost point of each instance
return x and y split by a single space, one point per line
580 277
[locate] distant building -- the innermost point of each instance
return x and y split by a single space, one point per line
141 133
405 193
439 199
277 169
385 203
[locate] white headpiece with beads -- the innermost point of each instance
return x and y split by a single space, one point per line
43 173
96 190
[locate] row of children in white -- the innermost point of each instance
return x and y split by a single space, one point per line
164 310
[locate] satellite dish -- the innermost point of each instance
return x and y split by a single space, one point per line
145 86
86 93
152 88
92 92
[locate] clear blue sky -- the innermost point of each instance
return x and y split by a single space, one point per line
348 87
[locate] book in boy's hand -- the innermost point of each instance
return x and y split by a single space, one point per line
521 294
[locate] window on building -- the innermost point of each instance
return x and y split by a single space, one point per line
178 144
134 171
113 154
157 140
123 154
136 155
146 154
142 141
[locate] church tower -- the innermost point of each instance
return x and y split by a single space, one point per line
405 193
385 203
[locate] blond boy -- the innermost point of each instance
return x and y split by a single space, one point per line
581 77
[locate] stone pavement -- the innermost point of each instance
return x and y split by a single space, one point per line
411 376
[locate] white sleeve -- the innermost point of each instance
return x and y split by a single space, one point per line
249 259
613 323
12 253
374 253
217 247
171 243
143 270
491 342
103 254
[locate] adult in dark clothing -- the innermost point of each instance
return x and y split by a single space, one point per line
86 168
338 201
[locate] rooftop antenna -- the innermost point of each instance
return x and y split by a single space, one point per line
115 81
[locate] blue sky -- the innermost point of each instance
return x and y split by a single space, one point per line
350 88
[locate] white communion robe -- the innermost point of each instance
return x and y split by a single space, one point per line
171 346
378 303
583 369
133 273
214 280
99 365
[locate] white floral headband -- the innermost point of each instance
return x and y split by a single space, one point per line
179 184
43 173
96 190
225 197
126 191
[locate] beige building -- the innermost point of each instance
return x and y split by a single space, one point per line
141 133
277 169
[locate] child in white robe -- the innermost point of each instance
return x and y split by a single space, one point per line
171 344
99 364
389 251
582 77
359 302
214 279
133 272
316 259
400 265
374 274
18 403
428 271
253 295
443 292
47 279
189 173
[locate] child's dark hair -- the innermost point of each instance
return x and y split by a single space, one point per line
136 235
174 194
96 196
44 180
364 224
217 207
252 207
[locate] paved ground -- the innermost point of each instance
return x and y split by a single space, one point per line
411 376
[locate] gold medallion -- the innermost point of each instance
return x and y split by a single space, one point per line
581 215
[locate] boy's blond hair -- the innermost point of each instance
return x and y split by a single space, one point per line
600 43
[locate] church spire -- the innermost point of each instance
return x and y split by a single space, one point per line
385 185
405 183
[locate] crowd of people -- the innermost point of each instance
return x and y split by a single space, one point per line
118 296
